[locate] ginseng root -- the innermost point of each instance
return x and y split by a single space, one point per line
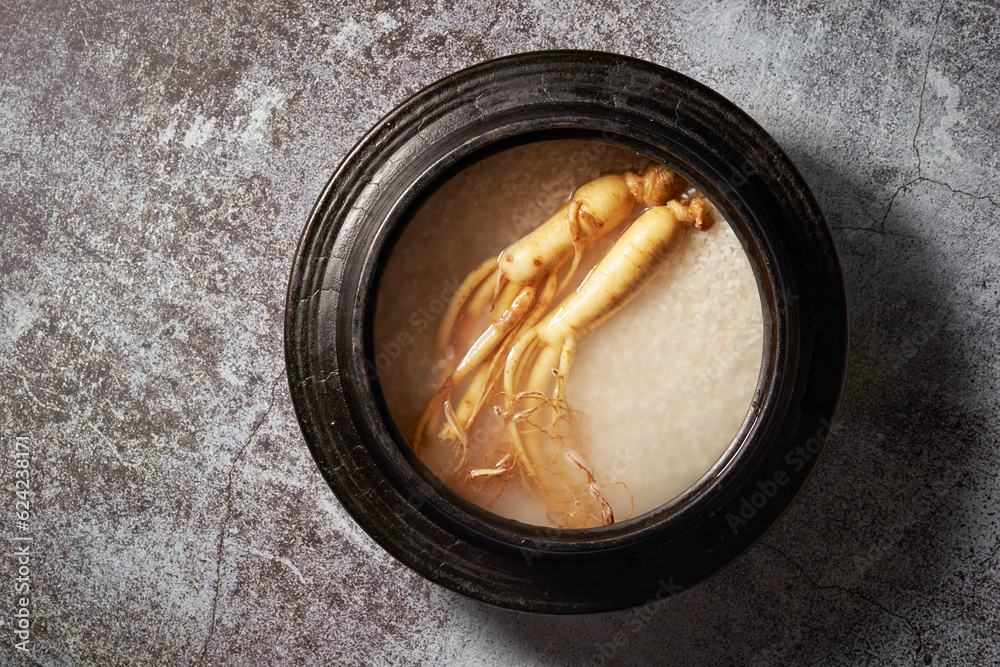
517 287
534 381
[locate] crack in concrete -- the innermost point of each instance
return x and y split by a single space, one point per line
892 200
858 594
921 179
224 524
923 87
958 191
916 135
920 116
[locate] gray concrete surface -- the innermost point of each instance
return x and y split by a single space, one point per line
157 163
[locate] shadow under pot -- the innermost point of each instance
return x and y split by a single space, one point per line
564 346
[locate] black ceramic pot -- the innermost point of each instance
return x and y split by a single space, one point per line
334 286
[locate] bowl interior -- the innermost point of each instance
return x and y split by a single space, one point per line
447 226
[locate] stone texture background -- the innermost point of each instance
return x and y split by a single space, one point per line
157 163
